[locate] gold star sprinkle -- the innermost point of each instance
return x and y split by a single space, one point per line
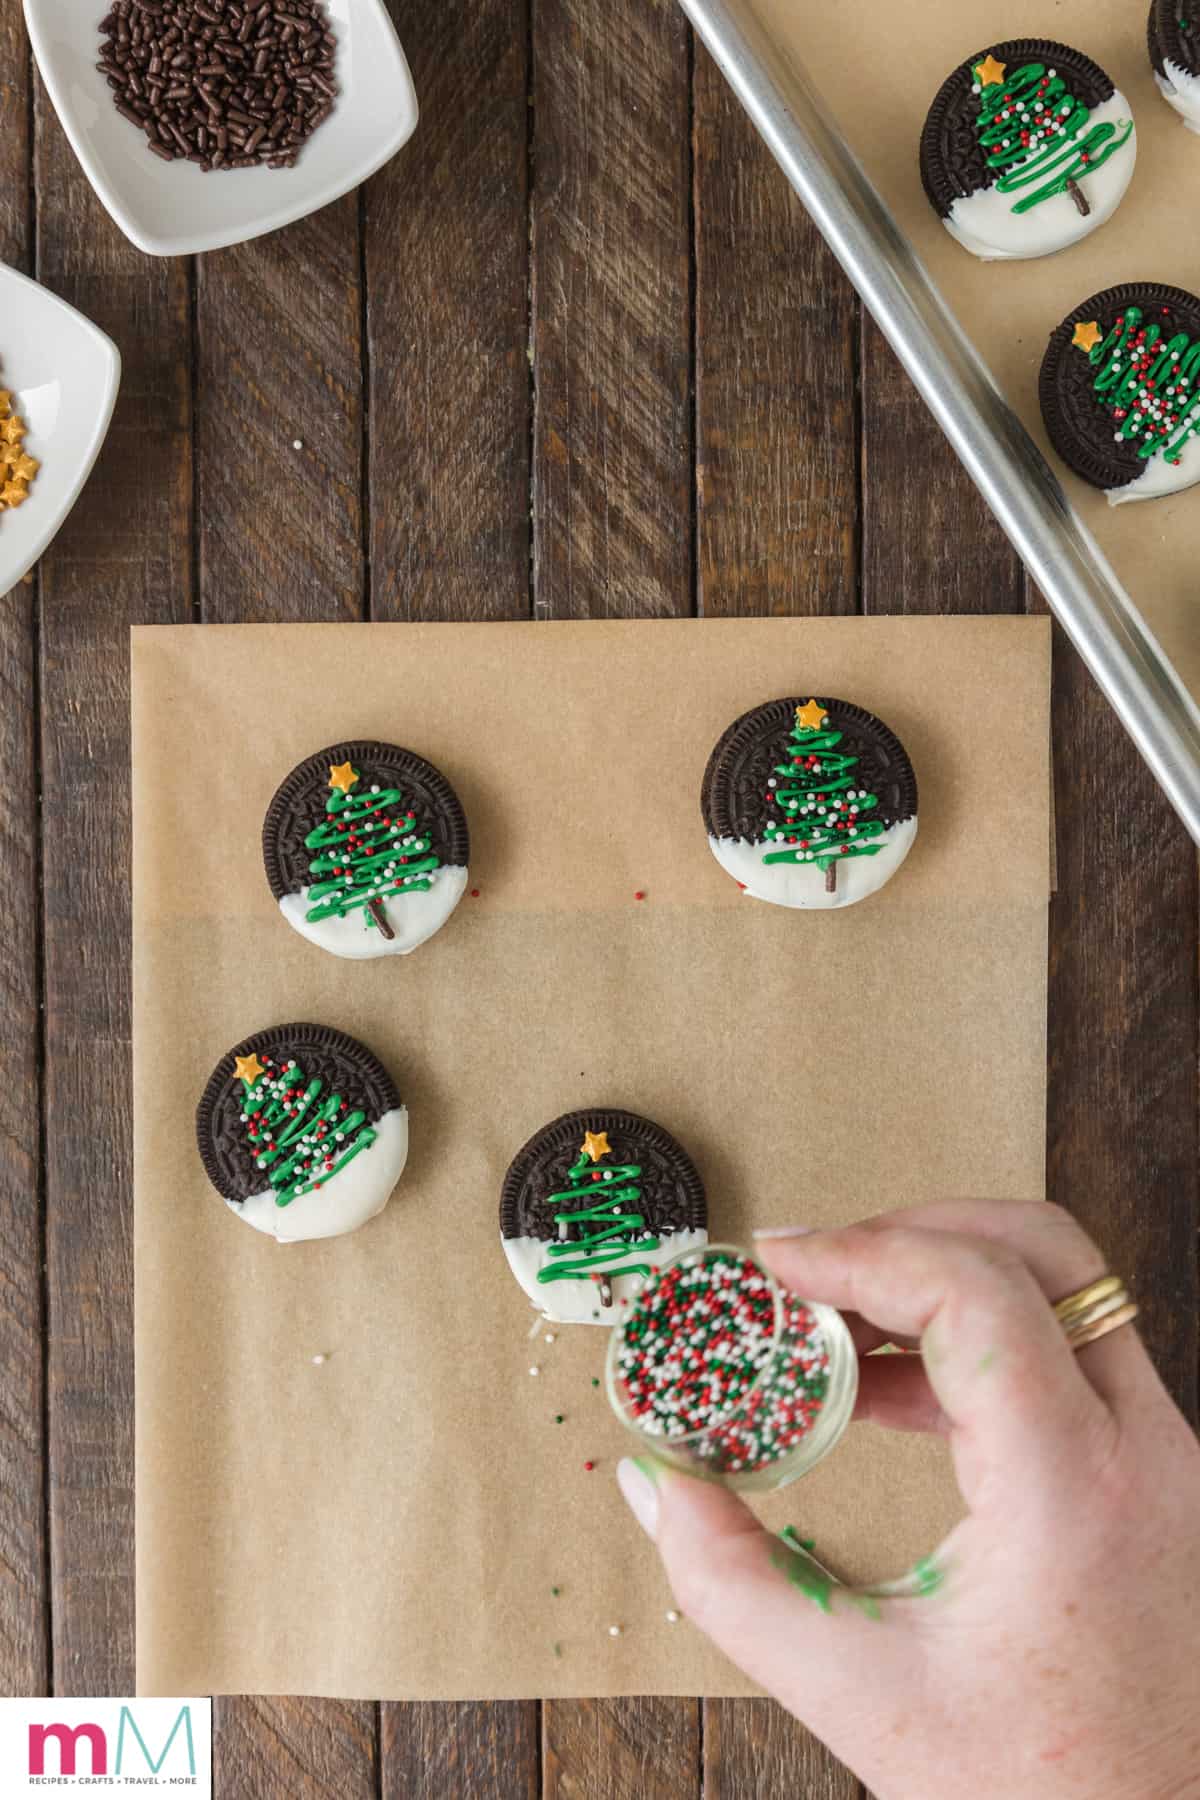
989 72
343 776
5 403
12 430
248 1068
1087 335
24 467
810 715
595 1144
13 493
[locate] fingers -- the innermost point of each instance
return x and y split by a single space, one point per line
774 1613
1062 1259
894 1391
996 1359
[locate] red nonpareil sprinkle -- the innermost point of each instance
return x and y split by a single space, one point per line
640 895
474 893
589 1465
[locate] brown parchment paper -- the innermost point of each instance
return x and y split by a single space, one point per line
878 65
391 1523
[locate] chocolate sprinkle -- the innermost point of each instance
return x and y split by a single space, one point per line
341 1062
225 84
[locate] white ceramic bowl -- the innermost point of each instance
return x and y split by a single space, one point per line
174 208
63 374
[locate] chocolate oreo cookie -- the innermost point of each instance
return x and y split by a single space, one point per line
302 1133
809 802
1120 390
591 1205
1173 38
1027 148
366 849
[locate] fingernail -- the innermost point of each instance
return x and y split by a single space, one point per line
637 1478
783 1231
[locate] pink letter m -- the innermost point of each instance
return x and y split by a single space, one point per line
68 1737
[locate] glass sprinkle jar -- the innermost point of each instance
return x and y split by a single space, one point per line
718 1370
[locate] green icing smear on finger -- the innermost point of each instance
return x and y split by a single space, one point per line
804 1573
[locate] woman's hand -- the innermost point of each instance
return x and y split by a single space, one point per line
1055 1650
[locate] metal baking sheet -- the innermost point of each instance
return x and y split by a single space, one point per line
1060 552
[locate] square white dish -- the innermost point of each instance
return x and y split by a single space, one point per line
63 375
174 208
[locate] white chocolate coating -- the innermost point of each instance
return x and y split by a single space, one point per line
344 1202
1160 477
413 917
1182 91
573 1302
985 223
803 884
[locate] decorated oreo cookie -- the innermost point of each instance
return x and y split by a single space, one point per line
1174 41
366 849
809 802
1120 390
591 1205
1027 148
302 1132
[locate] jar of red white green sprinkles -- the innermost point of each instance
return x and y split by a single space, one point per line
719 1370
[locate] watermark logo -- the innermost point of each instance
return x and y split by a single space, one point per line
124 1744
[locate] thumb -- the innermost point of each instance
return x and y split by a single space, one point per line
804 1637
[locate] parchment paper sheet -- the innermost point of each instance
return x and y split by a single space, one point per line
878 65
391 1523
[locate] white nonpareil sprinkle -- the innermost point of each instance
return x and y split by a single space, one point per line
297 443
614 1631
549 1337
318 1360
533 1369
672 1617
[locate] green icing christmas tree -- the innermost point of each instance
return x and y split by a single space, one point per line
369 846
820 813
298 1139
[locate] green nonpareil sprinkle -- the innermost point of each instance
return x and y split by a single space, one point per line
595 1381
558 1418
558 1649
556 1591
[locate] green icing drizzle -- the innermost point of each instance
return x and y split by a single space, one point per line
574 1259
820 813
368 846
1149 383
299 1140
1034 130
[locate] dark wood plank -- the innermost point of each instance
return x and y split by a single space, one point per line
613 469
123 556
294 1749
279 363
753 1750
630 1749
279 358
461 1751
776 365
24 1596
929 542
611 310
1123 1150
447 271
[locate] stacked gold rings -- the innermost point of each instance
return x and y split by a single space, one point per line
1094 1311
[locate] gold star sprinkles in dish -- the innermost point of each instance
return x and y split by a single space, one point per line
595 1144
1087 336
343 776
247 1068
23 467
810 715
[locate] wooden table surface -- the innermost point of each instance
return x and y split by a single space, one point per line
576 352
